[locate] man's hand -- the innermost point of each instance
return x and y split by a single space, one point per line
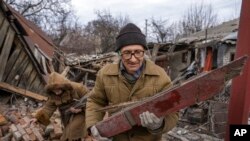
96 135
151 121
74 110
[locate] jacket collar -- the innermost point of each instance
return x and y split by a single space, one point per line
149 69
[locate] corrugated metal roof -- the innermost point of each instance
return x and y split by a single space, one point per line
35 34
231 36
214 33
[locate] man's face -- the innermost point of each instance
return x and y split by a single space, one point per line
132 57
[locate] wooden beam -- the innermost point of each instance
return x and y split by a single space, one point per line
23 92
6 50
3 30
11 62
65 71
165 56
1 18
86 70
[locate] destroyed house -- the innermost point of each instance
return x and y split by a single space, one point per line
214 46
25 53
173 58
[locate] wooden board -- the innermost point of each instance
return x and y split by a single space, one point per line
23 92
3 30
35 85
6 50
1 18
11 62
31 78
23 81
20 62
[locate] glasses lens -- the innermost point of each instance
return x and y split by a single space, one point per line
128 54
138 53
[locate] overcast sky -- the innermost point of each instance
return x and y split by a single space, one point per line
139 10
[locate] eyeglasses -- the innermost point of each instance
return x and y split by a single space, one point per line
128 54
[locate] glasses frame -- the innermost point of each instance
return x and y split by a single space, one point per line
132 53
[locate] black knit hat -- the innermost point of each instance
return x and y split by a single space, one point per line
130 34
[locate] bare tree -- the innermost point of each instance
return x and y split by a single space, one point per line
47 14
104 30
161 31
198 17
98 36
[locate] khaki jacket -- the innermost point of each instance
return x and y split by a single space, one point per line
112 88
75 128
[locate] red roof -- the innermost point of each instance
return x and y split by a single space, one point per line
35 34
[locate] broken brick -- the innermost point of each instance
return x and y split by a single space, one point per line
26 137
37 134
3 120
32 137
20 129
17 135
28 131
13 128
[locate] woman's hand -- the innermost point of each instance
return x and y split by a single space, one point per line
75 110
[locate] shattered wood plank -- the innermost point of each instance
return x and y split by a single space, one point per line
21 91
20 71
1 18
25 74
3 31
11 62
50 66
6 51
65 71
165 56
36 84
20 62
31 78
86 70
44 65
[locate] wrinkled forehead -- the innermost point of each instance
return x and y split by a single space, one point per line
132 47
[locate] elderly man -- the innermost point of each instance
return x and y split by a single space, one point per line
132 79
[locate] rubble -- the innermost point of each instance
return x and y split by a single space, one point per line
90 61
16 125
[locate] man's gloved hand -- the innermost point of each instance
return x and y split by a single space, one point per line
96 135
151 121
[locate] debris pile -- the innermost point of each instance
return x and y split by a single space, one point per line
94 62
16 125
